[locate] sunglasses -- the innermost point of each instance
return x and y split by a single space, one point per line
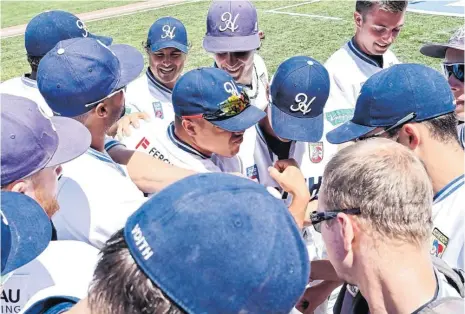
453 68
231 107
318 217
399 123
95 103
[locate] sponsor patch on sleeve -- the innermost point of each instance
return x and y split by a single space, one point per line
440 242
158 109
339 116
252 172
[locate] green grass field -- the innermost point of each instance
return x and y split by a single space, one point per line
286 35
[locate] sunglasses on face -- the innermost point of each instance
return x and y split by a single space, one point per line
318 217
455 69
231 107
399 123
95 103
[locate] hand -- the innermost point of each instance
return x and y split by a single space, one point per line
282 164
316 295
124 124
290 178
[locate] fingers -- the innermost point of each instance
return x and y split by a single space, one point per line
274 173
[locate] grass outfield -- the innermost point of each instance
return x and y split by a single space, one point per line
286 35
20 12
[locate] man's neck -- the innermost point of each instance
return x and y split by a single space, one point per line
181 134
360 45
32 76
444 163
98 143
402 281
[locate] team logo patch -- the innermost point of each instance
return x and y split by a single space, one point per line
340 116
353 290
440 242
252 172
302 104
168 32
158 109
315 150
144 143
229 22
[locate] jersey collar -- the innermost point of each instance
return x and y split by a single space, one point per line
182 145
449 189
155 82
105 158
362 55
27 81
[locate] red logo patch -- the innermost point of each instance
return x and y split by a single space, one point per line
144 143
316 152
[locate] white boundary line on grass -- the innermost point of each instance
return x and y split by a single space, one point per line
278 11
437 13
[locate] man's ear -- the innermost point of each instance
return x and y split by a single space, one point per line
20 186
410 136
189 126
358 18
102 110
347 231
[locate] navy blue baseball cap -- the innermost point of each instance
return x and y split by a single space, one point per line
409 92
79 73
299 91
32 141
26 230
218 243
167 32
202 91
48 28
231 26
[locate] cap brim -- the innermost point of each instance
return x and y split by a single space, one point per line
169 44
296 129
241 122
73 140
347 132
217 44
30 229
438 50
104 39
131 62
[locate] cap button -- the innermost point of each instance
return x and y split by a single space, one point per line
61 51
310 62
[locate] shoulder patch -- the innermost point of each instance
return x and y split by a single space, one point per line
339 116
252 172
158 109
316 152
440 241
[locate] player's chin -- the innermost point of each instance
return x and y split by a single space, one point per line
380 49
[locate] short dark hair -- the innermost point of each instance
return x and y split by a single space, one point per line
442 128
34 62
392 6
119 286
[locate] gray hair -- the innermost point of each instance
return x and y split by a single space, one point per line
388 183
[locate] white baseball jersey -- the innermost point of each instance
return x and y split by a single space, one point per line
449 223
147 94
157 138
349 68
257 92
96 196
461 133
68 264
25 87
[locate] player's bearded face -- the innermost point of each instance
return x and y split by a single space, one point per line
377 30
238 64
167 64
45 188
216 140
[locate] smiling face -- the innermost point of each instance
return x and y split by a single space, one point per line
166 65
377 29
456 85
238 64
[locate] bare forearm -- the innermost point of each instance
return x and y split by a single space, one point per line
298 208
149 174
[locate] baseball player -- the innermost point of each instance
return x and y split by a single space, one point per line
233 38
33 148
167 49
452 53
211 115
419 115
43 32
378 23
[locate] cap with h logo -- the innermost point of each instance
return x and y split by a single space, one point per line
299 91
391 95
45 30
202 91
78 73
206 239
26 230
231 26
31 141
167 32
457 41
